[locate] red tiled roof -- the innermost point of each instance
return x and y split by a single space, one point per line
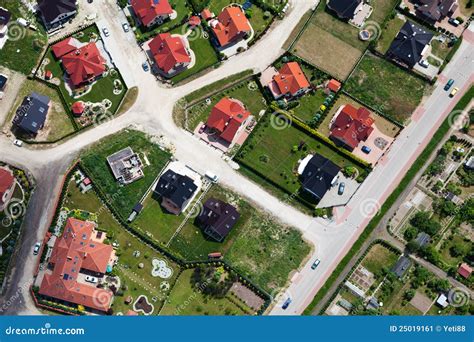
168 51
231 23
206 14
83 64
334 85
78 108
148 10
6 183
63 47
465 270
352 125
48 74
226 117
290 79
194 20
76 250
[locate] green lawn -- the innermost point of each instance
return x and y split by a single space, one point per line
464 245
186 301
269 151
379 258
22 51
439 49
309 105
58 123
205 54
246 91
258 247
123 198
376 82
389 33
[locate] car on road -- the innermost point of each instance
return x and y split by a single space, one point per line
366 149
91 279
145 66
315 264
448 84
18 143
341 189
453 92
286 304
126 27
106 31
424 63
36 248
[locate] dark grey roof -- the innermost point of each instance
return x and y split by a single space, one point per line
31 115
218 218
175 187
5 17
435 10
423 239
138 208
409 44
344 8
51 9
402 266
3 81
318 175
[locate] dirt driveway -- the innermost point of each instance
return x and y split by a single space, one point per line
13 86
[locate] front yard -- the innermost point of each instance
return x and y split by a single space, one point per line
376 82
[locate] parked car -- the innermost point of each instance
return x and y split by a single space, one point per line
286 304
315 264
448 84
126 27
424 63
366 149
106 31
91 279
454 22
212 176
36 248
202 128
145 66
18 143
453 92
341 189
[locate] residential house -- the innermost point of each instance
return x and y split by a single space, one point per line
318 174
402 266
334 85
5 17
170 52
7 185
409 45
230 26
351 126
423 239
56 12
151 12
227 118
206 14
31 115
175 191
442 300
126 166
217 219
344 9
80 251
434 11
289 82
464 270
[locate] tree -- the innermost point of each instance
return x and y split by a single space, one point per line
409 294
410 233
445 207
413 246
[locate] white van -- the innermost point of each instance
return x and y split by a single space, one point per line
212 176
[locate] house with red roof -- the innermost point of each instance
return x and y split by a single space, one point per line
351 126
290 81
170 53
206 14
151 12
83 65
79 252
78 108
464 270
65 46
334 85
227 118
230 26
7 185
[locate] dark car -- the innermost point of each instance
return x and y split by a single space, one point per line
315 264
449 84
366 149
145 66
286 304
341 189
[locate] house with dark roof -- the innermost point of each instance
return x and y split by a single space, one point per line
290 82
78 252
423 239
409 45
170 53
3 82
351 126
7 184
402 266
217 219
5 17
151 12
56 12
230 26
434 11
227 118
344 9
318 174
31 115
175 191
